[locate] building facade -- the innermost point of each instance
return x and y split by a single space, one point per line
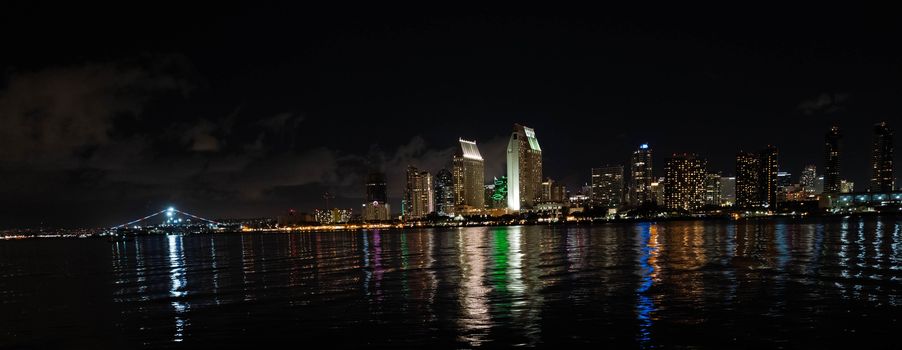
376 207
747 173
768 185
524 168
832 161
641 176
419 198
882 173
808 180
607 186
444 193
468 172
684 182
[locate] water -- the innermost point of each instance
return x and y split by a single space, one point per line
768 283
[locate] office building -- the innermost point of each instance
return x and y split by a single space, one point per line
882 175
684 181
419 198
444 193
747 173
376 207
808 179
641 175
832 161
468 172
524 168
607 186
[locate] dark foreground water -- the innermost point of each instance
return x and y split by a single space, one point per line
751 284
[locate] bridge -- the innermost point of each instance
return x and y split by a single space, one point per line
171 219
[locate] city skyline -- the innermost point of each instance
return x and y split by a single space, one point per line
99 124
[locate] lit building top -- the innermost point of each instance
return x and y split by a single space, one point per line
470 151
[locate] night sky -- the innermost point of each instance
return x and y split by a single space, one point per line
107 114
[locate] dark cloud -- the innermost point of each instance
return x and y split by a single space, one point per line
824 103
51 114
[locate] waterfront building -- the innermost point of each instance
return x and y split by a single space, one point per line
641 176
808 179
444 193
376 207
684 179
832 161
468 172
419 198
607 186
882 175
747 173
524 168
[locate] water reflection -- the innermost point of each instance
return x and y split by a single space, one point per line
475 321
667 284
648 272
177 282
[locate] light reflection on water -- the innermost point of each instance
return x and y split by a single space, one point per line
646 285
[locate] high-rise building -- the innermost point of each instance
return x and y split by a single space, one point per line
375 188
376 207
419 200
468 171
768 185
607 186
641 175
657 192
882 176
524 168
684 181
444 193
808 179
748 170
547 187
727 191
713 191
831 161
819 185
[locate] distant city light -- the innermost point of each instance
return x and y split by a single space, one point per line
644 146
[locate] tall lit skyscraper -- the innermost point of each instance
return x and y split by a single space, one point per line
684 182
418 194
607 186
524 168
882 177
444 193
831 161
748 170
468 171
713 192
641 176
376 207
768 184
808 179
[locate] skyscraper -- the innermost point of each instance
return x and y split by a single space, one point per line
713 192
468 171
376 207
882 176
524 168
767 180
748 170
418 194
641 175
831 161
607 186
684 182
808 179
444 193
728 190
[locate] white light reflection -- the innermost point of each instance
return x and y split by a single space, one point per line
177 284
476 321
